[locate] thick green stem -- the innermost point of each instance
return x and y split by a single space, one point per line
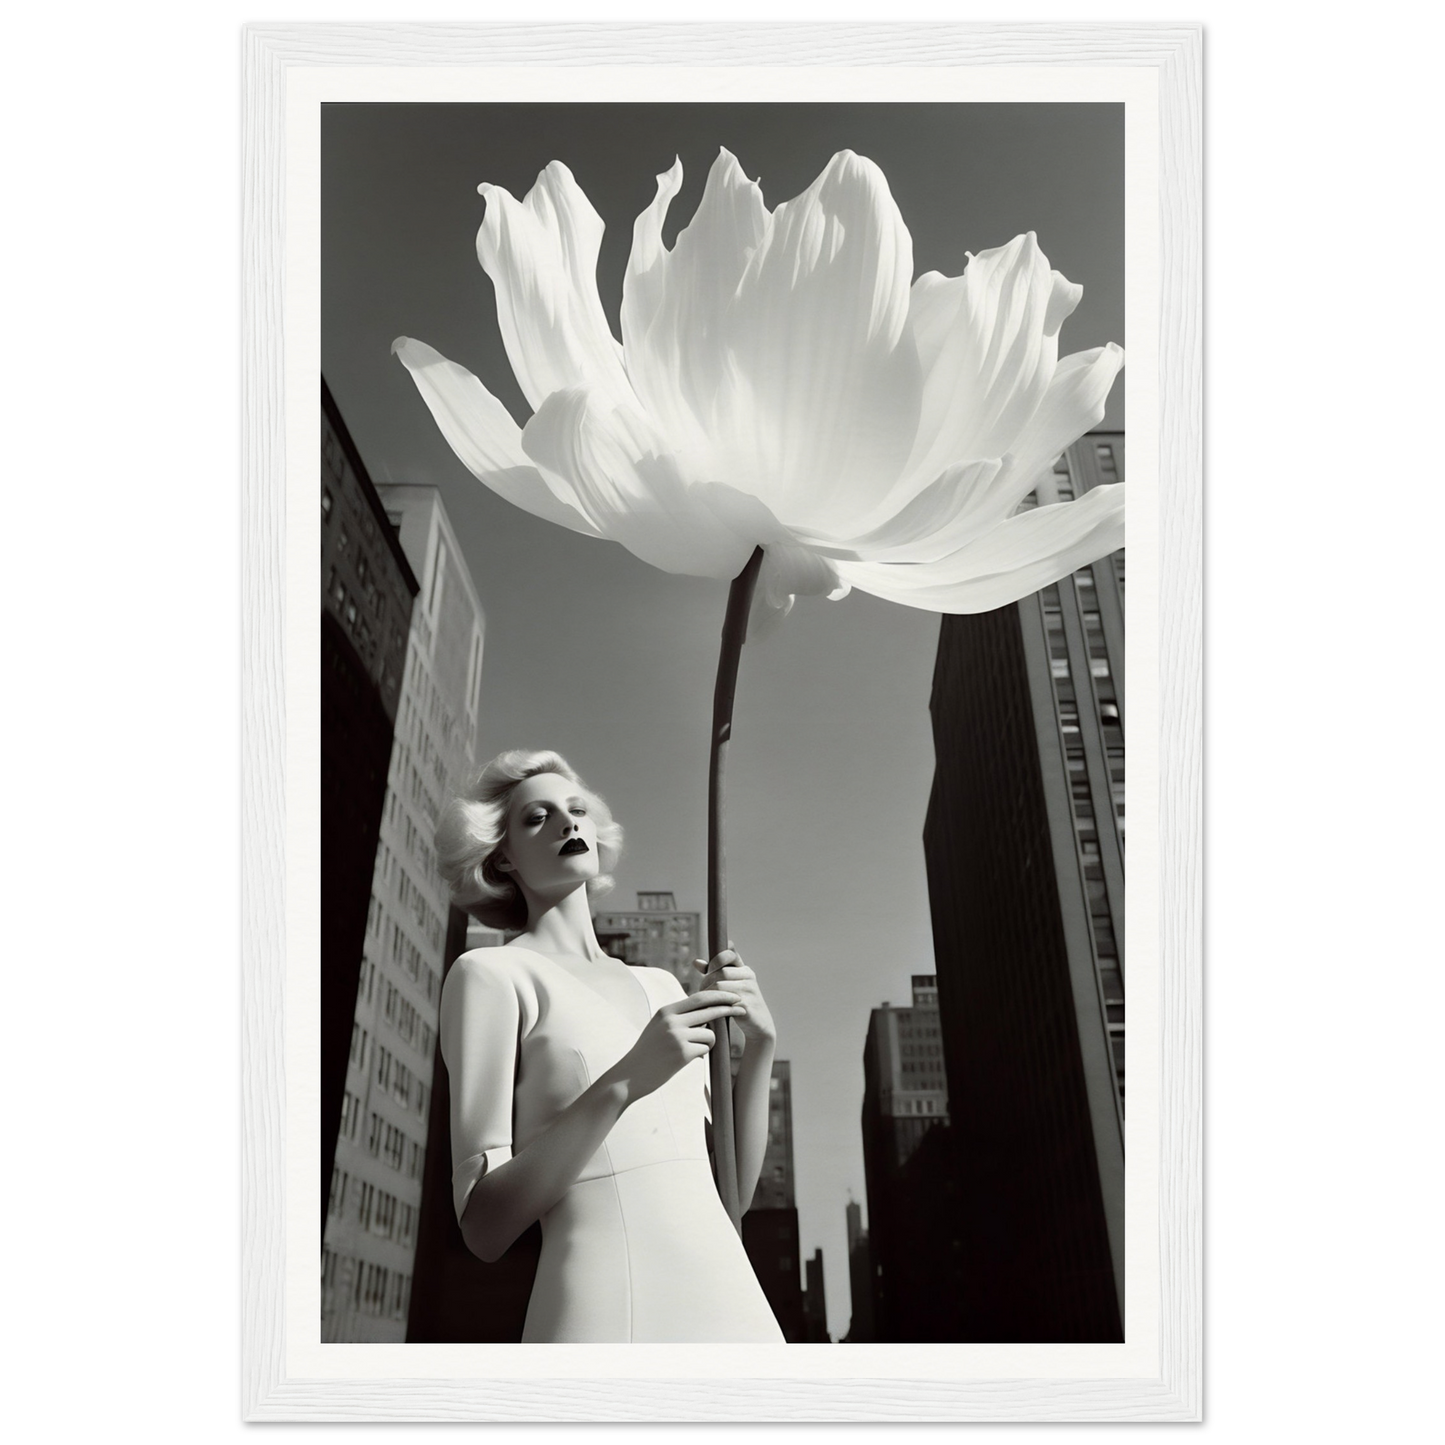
734 633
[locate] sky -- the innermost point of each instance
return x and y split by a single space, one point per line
594 653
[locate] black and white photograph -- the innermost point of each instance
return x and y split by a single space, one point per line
661 436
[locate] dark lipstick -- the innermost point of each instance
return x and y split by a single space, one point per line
573 845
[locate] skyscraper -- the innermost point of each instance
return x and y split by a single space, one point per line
815 1302
367 587
655 934
370 1237
860 1278
1024 844
905 1100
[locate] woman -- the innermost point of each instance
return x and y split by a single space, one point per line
579 1085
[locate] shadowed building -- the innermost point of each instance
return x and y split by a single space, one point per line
815 1303
370 1238
905 1102
860 1278
1024 844
366 602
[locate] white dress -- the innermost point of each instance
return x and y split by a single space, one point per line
640 1247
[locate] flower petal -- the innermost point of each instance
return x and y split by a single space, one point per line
541 254
818 393
1074 403
969 498
674 302
630 488
789 571
1014 559
988 343
483 435
947 514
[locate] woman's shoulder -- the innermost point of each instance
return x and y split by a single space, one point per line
490 976
503 960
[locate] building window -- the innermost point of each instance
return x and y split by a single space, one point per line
326 504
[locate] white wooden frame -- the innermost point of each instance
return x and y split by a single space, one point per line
1172 52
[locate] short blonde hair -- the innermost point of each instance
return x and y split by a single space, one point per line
473 826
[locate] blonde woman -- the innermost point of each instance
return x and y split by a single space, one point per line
579 1085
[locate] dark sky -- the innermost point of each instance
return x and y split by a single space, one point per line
594 653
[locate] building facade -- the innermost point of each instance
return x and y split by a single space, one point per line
655 934
367 587
1024 844
371 1230
905 1100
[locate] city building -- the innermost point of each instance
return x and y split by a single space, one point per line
656 934
815 1303
860 1278
905 1100
367 587
1024 845
770 1223
370 1237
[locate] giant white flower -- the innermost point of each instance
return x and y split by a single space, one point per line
783 381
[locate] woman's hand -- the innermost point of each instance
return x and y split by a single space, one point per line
674 1036
728 971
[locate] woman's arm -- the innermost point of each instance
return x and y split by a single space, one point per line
752 1089
752 1099
505 1201
480 1028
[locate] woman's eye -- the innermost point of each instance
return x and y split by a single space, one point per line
580 812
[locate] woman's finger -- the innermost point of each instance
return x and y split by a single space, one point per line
735 982
701 999
725 955
729 970
708 1015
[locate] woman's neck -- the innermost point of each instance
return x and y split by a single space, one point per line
563 925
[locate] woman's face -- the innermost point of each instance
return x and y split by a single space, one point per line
551 837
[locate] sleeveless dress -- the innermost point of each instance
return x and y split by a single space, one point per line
640 1247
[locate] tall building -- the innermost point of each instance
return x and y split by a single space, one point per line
905 1099
860 1278
371 1230
815 1303
367 587
1024 844
656 934
770 1225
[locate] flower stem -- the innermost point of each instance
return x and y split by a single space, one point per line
734 633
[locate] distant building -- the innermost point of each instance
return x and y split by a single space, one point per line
367 587
1024 844
770 1224
905 1099
860 1278
815 1303
655 934
371 1231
